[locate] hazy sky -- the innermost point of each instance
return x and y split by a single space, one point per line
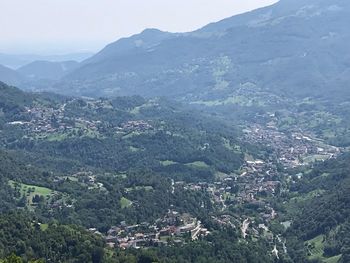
60 26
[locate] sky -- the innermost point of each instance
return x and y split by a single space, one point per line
65 26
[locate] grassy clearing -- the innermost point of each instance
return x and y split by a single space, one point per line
92 134
334 259
165 238
43 191
221 175
314 158
198 164
44 227
121 175
294 204
125 203
71 178
308 196
167 162
135 110
130 135
234 100
57 137
134 149
29 191
138 109
316 248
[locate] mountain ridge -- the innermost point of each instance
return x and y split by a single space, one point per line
214 63
42 69
10 76
282 38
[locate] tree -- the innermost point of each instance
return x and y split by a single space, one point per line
12 259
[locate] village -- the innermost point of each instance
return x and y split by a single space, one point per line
48 122
290 149
173 228
254 185
259 180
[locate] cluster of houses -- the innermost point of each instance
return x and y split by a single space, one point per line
138 126
237 190
48 120
173 228
259 179
87 179
42 120
290 149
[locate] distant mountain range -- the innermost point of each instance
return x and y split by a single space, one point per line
16 61
47 70
295 48
10 76
30 71
37 73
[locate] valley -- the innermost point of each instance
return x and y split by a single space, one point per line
229 143
205 197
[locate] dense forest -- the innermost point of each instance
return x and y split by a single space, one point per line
326 215
26 237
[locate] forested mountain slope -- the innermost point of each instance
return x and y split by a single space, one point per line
10 76
46 70
293 48
323 220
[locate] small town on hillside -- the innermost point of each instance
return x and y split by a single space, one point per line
257 180
173 228
48 121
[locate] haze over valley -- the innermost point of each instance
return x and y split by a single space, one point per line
227 143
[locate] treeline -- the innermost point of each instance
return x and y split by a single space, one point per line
113 153
24 236
326 214
12 168
12 102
